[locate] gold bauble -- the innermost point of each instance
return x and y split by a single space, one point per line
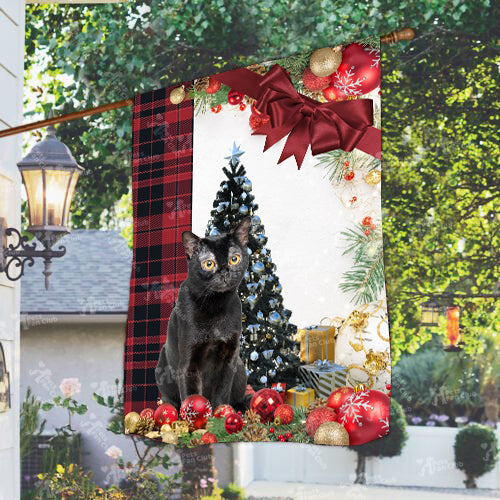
180 427
177 95
331 433
165 428
373 177
131 419
170 437
325 61
199 432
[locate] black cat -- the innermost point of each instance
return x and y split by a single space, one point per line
201 354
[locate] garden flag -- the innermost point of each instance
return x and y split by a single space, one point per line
257 296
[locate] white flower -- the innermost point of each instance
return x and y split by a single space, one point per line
70 386
114 452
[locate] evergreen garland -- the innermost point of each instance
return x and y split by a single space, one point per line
203 101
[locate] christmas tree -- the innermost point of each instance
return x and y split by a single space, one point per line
267 346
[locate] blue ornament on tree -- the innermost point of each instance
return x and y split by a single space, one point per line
260 238
263 379
249 251
260 316
247 185
214 231
272 373
246 276
273 302
275 318
243 210
262 282
253 328
277 287
252 287
252 300
255 220
258 267
227 223
268 354
254 355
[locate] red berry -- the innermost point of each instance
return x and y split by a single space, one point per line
271 429
243 106
349 176
388 387
373 226
367 221
346 163
367 232
281 436
216 109
288 435
389 393
354 198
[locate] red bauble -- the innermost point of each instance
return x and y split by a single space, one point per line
264 402
165 414
313 82
367 221
285 413
257 121
195 410
365 416
234 97
233 423
208 438
338 397
213 86
243 106
317 417
332 93
222 411
359 72
148 413
349 176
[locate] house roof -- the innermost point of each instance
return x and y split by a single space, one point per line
92 278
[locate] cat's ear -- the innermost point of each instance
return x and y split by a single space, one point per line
190 242
241 231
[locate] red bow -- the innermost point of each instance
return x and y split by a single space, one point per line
324 126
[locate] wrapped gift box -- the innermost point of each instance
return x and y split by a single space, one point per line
323 376
279 387
317 342
299 396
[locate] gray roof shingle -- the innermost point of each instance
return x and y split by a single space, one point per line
92 278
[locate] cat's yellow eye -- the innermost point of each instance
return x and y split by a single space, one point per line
209 264
235 259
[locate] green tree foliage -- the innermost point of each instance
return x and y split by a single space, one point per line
476 452
440 184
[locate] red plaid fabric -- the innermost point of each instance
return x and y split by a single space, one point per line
162 171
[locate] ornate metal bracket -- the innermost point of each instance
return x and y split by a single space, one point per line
16 257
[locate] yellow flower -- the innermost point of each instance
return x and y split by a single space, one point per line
70 468
60 469
40 476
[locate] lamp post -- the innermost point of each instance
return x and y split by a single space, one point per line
50 173
429 315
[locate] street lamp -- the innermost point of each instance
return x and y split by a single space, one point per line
429 315
50 173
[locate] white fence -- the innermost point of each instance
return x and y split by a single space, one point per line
427 460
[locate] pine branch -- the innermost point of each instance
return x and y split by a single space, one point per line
204 102
371 41
295 65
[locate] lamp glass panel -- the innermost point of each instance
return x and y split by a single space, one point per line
34 190
55 194
71 192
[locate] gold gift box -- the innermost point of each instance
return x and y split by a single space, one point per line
317 342
299 396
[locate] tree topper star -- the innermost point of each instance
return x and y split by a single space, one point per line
234 154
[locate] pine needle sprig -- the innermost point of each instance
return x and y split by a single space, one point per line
371 41
203 102
366 278
295 65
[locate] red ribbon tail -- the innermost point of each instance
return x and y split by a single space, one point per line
297 143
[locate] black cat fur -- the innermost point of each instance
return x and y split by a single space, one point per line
201 353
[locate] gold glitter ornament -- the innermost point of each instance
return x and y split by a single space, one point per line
359 388
165 428
180 427
177 95
170 437
358 320
332 434
325 61
131 420
373 177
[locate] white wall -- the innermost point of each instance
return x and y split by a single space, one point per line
427 460
11 88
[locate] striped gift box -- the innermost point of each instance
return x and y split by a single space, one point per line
323 376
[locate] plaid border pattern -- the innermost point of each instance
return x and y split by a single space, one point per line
162 172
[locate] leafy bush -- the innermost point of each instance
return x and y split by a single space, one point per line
436 387
476 452
233 492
